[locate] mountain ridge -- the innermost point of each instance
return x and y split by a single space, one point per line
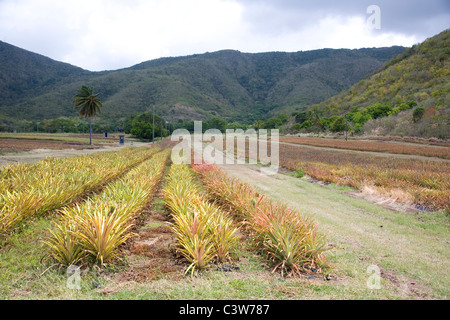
227 83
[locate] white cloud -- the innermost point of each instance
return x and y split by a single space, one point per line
112 34
331 31
98 34
352 33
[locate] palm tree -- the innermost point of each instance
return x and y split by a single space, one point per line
89 105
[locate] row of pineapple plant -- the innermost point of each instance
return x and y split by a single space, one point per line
93 230
28 190
289 239
204 233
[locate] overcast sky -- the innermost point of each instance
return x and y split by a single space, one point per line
112 34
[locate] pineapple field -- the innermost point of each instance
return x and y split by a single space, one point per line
131 224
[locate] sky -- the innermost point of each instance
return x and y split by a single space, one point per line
112 34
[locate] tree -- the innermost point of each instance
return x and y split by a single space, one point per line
259 124
142 129
88 104
378 110
339 124
306 124
272 123
418 114
283 117
142 126
301 117
411 104
216 123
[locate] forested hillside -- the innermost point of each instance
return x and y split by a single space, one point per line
233 85
24 74
409 96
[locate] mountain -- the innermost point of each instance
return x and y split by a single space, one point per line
234 85
23 73
420 75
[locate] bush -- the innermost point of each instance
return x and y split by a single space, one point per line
418 114
338 125
307 124
273 123
299 173
378 110
296 127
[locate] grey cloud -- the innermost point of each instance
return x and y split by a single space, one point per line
409 17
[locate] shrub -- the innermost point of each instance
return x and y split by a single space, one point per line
299 173
418 114
378 110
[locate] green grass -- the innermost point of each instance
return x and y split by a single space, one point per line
22 277
298 174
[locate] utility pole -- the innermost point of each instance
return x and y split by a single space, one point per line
346 128
153 135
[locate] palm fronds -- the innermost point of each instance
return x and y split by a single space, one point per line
87 102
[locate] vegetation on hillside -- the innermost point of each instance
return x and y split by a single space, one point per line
240 87
409 96
24 74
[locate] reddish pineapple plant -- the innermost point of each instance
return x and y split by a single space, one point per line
290 240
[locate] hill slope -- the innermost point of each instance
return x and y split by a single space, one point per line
420 74
23 73
239 86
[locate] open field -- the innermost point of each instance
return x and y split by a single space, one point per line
29 148
424 183
146 256
414 180
8 145
376 146
415 140
75 138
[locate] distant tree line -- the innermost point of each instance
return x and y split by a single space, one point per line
58 125
140 125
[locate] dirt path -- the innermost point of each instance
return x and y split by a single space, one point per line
40 154
364 234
